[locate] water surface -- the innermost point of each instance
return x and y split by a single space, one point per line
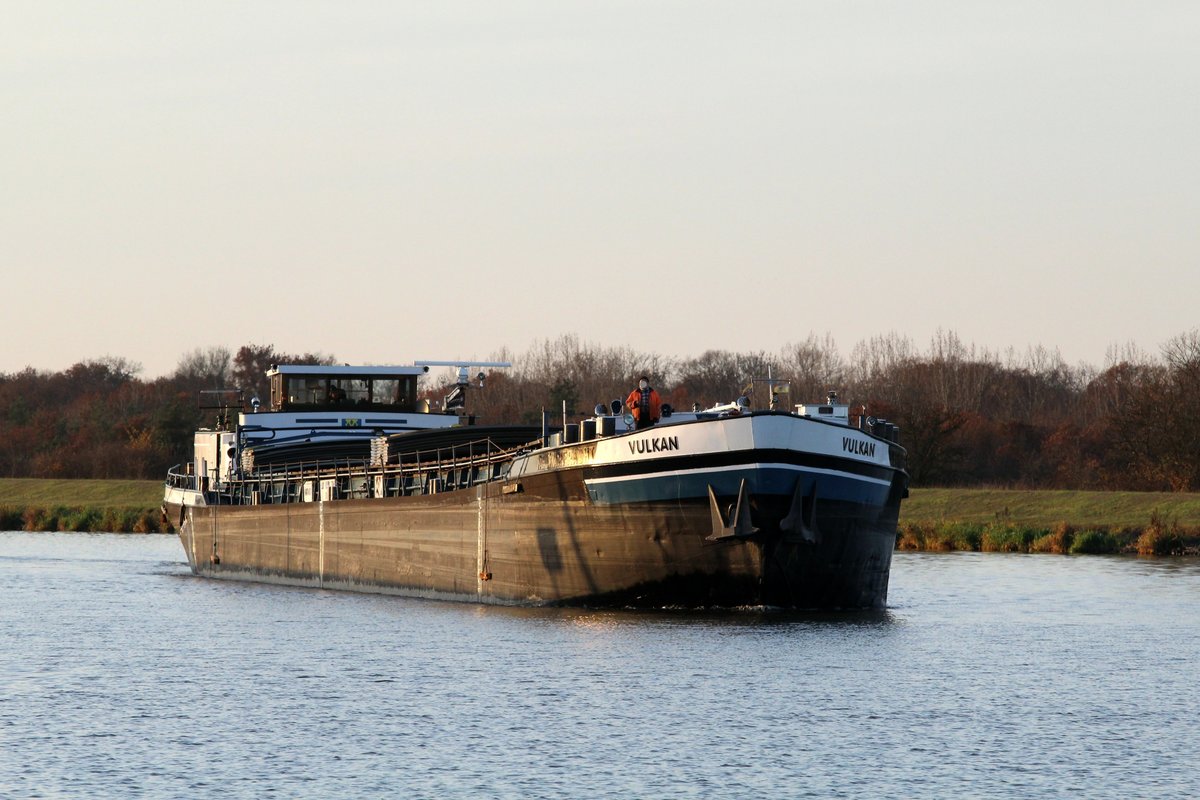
989 675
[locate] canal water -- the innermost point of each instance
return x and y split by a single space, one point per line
989 675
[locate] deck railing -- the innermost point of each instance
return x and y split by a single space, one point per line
411 473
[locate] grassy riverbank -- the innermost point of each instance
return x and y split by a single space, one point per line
931 519
1005 520
34 504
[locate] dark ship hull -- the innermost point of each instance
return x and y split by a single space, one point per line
702 513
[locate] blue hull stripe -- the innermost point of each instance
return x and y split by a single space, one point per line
764 479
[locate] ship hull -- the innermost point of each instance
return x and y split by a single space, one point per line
578 536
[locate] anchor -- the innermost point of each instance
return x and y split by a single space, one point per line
739 525
800 524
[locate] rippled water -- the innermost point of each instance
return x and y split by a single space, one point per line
121 675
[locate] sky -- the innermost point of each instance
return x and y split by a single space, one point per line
393 181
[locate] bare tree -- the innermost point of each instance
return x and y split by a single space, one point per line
252 361
719 376
209 368
814 366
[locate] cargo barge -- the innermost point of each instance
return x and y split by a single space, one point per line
345 481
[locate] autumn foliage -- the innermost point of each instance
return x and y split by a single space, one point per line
967 416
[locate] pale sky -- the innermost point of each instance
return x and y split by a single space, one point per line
391 181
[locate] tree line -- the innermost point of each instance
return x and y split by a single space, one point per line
968 416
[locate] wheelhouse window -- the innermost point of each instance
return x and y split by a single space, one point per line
385 392
299 392
347 392
304 391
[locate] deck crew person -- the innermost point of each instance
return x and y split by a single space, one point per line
645 404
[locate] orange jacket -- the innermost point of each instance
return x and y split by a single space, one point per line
634 404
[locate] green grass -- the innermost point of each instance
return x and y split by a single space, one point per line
1007 520
34 504
100 494
1048 508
